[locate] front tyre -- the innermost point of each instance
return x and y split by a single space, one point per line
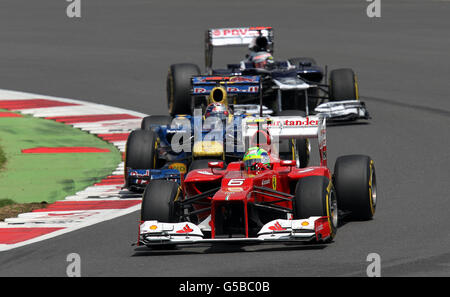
356 186
158 201
315 196
140 152
343 85
141 149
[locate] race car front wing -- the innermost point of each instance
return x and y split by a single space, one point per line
343 110
154 233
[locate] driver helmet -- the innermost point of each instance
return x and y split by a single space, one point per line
262 59
255 156
218 110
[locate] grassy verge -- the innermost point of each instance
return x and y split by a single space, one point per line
37 178
9 208
2 158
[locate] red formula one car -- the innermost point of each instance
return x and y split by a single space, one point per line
273 201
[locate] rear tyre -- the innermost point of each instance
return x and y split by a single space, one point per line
315 196
343 85
356 186
158 201
157 120
179 88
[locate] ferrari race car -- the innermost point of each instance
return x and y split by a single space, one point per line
166 146
261 198
293 84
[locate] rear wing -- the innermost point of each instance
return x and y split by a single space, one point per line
233 37
289 127
243 84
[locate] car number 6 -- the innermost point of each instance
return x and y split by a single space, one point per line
236 182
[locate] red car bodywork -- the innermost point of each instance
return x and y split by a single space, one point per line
238 186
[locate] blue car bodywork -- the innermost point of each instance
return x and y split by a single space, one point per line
175 157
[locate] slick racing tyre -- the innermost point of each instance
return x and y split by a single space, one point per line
158 201
356 186
301 151
202 164
157 120
140 152
343 85
179 88
315 196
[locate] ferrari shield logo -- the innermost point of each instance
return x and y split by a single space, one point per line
274 182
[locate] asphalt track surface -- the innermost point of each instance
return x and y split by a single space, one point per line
118 54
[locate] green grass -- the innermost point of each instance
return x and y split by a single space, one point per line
2 158
5 202
28 178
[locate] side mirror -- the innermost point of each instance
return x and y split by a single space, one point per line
288 163
216 164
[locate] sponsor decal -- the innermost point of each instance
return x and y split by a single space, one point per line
244 79
238 32
232 89
265 182
243 89
233 32
230 79
277 227
229 89
253 89
199 90
186 229
274 182
138 174
287 123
